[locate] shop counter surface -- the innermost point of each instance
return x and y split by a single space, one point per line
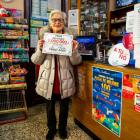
82 104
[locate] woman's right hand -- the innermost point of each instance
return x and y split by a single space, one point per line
40 44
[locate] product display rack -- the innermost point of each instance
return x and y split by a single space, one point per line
118 13
12 96
93 18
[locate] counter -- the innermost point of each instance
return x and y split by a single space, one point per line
82 104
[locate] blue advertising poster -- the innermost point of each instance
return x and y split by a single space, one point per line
107 98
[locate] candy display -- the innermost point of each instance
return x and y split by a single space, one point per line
19 33
25 55
12 50
25 33
2 12
9 20
15 55
2 44
13 22
13 34
4 55
20 55
8 32
18 44
2 33
17 75
10 55
0 55
12 44
7 44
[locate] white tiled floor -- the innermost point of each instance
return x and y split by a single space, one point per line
35 126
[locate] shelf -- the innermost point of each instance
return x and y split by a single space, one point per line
14 60
12 102
13 49
101 40
119 22
14 86
123 7
93 17
117 36
14 37
3 27
39 18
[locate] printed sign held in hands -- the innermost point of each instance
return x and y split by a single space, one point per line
60 44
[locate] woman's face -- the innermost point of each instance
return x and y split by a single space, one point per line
57 23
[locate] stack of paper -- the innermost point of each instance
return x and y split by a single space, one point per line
35 8
43 9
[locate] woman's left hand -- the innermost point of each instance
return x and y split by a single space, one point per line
75 45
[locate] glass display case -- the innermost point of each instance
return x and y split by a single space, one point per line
73 4
93 18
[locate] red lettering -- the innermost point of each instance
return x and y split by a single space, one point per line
121 51
123 57
115 49
52 40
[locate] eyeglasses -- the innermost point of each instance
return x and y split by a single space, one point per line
60 20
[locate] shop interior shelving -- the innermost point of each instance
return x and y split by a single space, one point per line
12 96
95 18
118 13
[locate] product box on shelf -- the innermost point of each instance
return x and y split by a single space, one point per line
4 78
10 22
17 79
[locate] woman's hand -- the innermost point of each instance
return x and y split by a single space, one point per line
40 44
75 45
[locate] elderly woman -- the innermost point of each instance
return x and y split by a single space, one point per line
56 77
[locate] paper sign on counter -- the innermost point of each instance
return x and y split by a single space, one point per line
60 44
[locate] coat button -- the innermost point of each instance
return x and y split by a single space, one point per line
51 83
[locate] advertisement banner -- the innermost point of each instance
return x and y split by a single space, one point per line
60 44
107 98
14 13
127 88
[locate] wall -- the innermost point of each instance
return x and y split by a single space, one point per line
16 4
